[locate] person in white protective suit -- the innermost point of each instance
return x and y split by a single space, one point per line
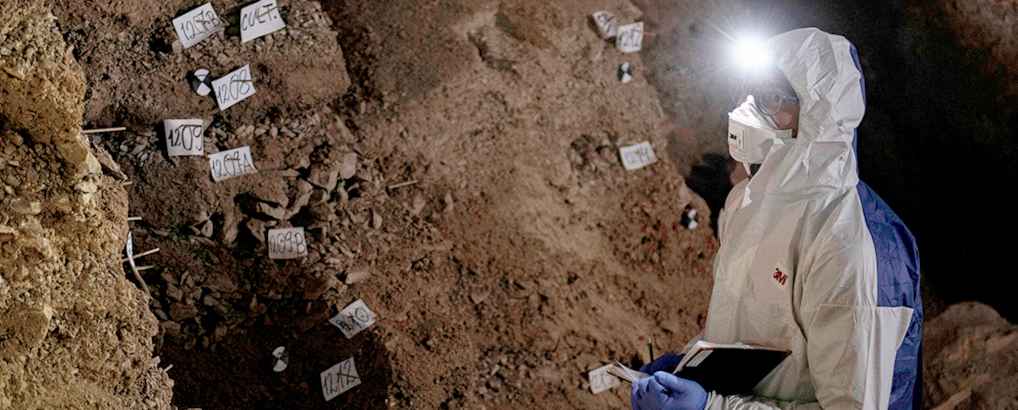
811 260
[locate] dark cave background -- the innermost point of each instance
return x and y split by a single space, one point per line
936 143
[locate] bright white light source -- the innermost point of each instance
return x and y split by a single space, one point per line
750 54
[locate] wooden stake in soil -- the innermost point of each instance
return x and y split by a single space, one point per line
98 130
403 184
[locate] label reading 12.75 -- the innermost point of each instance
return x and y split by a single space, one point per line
233 87
197 25
228 164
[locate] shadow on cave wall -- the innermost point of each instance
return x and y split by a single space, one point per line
936 143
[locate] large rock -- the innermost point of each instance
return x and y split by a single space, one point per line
971 359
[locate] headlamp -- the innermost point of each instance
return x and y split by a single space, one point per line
751 56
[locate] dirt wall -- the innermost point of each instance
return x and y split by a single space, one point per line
74 333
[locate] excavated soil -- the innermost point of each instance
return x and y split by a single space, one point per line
455 166
522 255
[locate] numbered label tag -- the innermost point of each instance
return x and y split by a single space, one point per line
354 318
339 378
228 164
601 380
287 243
630 38
606 24
184 137
637 156
259 19
197 25
233 87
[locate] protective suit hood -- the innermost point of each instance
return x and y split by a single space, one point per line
825 76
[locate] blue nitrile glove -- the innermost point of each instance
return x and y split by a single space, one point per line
666 363
665 391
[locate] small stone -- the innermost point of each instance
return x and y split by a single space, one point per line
376 219
180 311
174 292
178 47
324 176
208 300
357 275
171 328
257 228
206 229
26 207
277 213
349 167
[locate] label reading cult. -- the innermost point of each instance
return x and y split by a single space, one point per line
259 19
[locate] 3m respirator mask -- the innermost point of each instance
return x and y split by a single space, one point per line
751 134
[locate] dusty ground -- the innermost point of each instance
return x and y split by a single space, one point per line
524 256
520 255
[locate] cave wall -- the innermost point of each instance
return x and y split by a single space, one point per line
74 333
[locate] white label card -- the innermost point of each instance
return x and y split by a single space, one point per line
197 25
231 163
259 19
130 250
287 243
606 24
630 38
601 380
354 318
233 87
637 156
184 137
339 378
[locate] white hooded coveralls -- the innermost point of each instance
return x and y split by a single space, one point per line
812 261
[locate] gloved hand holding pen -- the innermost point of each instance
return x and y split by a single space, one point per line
665 391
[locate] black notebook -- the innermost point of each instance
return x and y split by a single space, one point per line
728 369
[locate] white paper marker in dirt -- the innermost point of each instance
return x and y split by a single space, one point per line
231 163
184 137
339 378
630 38
637 156
606 24
233 87
287 243
601 380
259 19
354 318
130 250
197 25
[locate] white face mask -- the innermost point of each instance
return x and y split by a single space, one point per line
751 133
